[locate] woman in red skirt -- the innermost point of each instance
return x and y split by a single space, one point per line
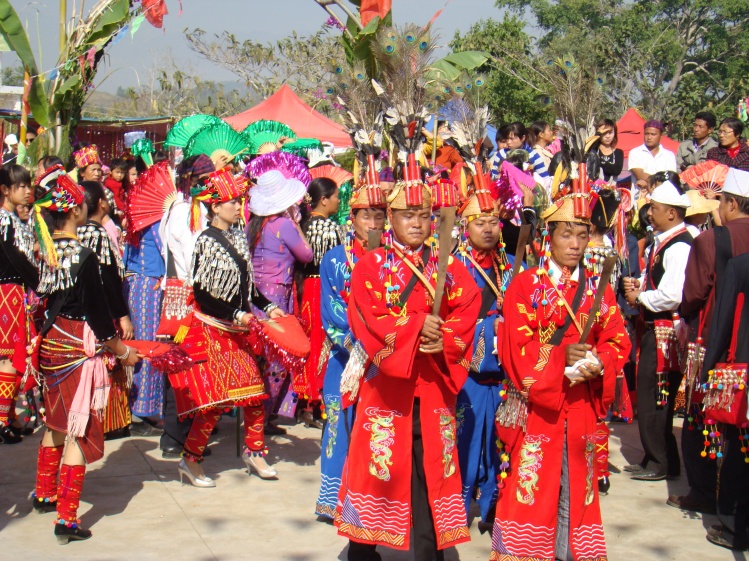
322 233
18 273
78 330
225 373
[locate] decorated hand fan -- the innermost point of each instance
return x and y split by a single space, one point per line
706 176
283 340
301 145
164 357
150 197
219 142
182 131
508 187
264 135
339 175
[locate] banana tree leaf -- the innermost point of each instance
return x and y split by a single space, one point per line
15 36
110 22
371 27
468 60
444 70
69 84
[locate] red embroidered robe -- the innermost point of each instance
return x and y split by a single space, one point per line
525 526
374 503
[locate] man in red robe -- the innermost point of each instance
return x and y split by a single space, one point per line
549 508
403 460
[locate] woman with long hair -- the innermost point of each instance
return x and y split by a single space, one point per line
322 233
145 267
276 243
94 236
225 372
18 274
74 380
604 160
541 136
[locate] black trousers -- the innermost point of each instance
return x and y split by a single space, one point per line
702 473
733 493
656 424
423 537
175 431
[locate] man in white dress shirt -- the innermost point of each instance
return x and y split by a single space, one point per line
659 292
651 157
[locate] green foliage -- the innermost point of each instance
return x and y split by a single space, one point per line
668 58
15 37
509 98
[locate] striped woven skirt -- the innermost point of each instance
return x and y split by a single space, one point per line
144 300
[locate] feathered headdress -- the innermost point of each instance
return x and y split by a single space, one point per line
361 113
63 194
403 59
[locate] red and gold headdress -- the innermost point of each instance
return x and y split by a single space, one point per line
220 187
86 156
63 194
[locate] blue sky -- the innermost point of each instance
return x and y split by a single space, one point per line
261 20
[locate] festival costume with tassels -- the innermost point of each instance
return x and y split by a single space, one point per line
95 237
69 358
225 372
483 390
377 493
18 274
322 235
559 438
335 279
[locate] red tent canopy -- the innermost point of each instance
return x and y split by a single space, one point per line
286 107
631 133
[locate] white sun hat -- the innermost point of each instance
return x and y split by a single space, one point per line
274 193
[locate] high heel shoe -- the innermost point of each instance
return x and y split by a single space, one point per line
196 481
258 463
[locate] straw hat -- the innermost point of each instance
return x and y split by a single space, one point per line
699 204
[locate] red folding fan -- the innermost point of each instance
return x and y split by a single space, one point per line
339 175
150 197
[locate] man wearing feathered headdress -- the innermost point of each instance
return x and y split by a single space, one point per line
549 507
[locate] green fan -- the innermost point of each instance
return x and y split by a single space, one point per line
264 135
219 142
301 146
180 133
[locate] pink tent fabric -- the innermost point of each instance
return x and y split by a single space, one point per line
286 107
631 133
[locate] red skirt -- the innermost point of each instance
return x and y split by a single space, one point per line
225 373
314 368
13 328
61 384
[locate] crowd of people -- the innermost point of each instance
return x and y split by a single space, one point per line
452 360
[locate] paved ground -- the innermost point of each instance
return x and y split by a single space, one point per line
137 509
